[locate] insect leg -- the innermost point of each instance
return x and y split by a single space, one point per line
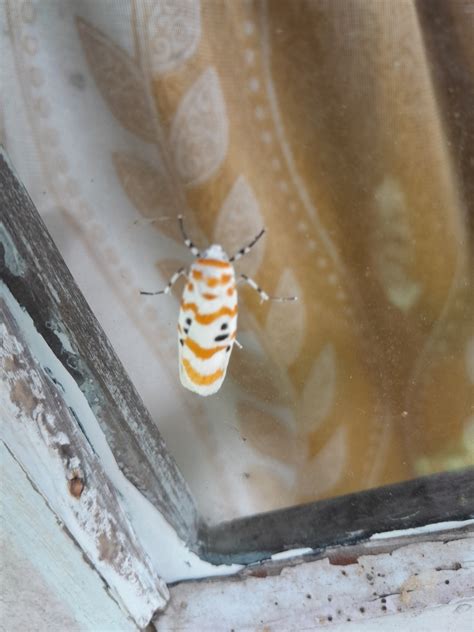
186 239
263 295
243 251
147 221
179 273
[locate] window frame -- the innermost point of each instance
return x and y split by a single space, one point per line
43 286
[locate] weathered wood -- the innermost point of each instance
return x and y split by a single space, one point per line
395 585
35 273
342 520
43 435
46 582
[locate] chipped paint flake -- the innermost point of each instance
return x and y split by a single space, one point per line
13 259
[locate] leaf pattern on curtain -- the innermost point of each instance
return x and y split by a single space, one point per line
148 190
237 223
119 80
265 433
392 246
319 391
326 469
199 131
285 326
173 31
256 376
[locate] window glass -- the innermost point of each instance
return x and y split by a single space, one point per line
347 130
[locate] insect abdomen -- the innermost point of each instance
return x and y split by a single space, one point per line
207 325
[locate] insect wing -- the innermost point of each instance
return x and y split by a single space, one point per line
206 330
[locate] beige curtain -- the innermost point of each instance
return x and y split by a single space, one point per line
346 127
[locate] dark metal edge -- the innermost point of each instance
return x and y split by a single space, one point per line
344 520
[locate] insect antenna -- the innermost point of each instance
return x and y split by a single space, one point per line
186 239
243 251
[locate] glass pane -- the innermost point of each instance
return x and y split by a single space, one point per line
347 130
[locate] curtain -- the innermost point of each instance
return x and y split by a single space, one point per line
346 128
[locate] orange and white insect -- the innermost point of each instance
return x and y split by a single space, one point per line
207 323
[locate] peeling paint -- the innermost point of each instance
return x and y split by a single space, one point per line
13 259
285 555
429 528
390 585
170 556
65 342
51 571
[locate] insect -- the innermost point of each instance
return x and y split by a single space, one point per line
207 323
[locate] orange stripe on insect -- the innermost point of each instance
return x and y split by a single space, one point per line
207 319
217 263
198 378
197 274
201 352
212 282
223 280
209 297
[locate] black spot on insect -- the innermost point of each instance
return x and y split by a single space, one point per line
188 321
186 331
228 349
221 337
181 341
224 325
